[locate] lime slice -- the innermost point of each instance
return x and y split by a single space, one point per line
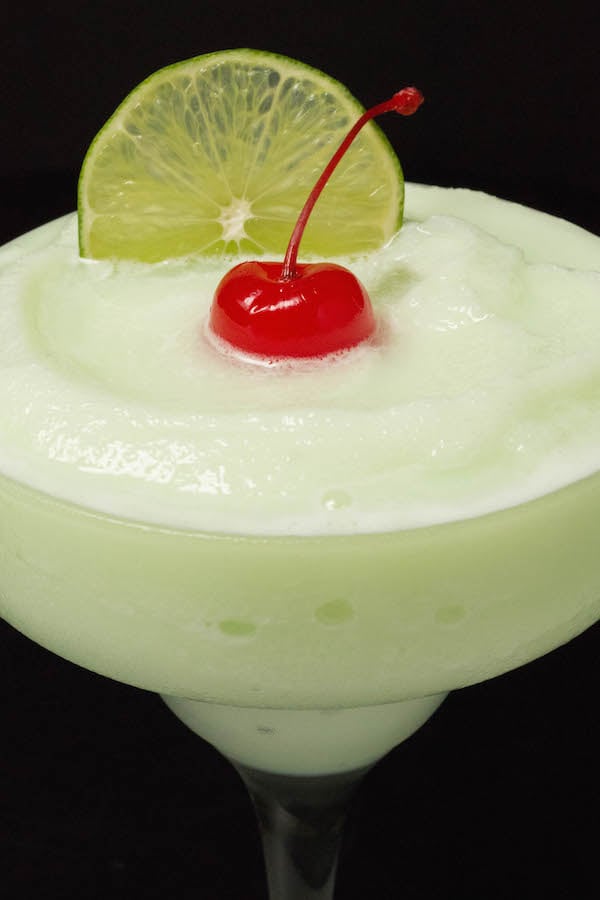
217 154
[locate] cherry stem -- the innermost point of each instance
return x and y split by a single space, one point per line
405 102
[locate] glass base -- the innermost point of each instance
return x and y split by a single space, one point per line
305 742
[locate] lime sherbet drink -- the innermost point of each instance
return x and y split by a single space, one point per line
302 500
417 515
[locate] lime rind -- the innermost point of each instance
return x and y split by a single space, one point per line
218 153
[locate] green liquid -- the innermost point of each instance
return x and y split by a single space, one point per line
313 622
320 621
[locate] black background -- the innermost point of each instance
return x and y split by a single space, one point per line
103 794
511 88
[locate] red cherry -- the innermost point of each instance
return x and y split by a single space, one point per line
273 309
323 309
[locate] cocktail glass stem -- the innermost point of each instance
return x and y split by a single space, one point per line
301 820
301 767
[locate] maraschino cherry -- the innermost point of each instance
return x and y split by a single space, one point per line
300 310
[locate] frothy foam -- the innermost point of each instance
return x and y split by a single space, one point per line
283 363
481 391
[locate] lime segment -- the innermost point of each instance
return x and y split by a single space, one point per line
217 154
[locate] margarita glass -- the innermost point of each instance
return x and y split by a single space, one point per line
309 657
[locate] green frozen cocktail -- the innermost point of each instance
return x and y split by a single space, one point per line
238 535
416 514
